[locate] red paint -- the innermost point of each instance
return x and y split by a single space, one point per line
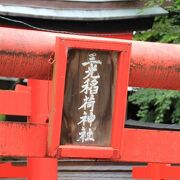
152 65
57 98
8 170
16 102
22 57
157 171
86 152
63 43
41 168
155 65
23 139
40 100
140 145
120 100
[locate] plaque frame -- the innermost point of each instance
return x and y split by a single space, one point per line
63 43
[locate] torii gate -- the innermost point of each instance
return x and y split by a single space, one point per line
31 54
17 45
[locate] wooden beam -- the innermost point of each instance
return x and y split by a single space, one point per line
8 170
150 146
16 102
157 171
23 139
27 57
86 152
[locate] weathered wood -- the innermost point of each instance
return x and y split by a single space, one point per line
27 57
74 97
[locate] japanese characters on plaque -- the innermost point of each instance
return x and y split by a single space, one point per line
88 97
89 89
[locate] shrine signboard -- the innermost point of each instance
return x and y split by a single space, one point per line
92 76
89 96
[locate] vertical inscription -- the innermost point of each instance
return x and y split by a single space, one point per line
89 89
88 97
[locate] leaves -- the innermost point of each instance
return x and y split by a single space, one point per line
159 106
2 117
166 29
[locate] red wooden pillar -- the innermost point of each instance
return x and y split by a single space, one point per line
41 168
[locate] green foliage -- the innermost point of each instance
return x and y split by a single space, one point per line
2 117
166 29
159 106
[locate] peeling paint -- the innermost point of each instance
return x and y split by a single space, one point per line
152 66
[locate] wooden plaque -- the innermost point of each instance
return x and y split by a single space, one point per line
89 95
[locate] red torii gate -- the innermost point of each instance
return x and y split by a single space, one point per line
20 59
25 54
